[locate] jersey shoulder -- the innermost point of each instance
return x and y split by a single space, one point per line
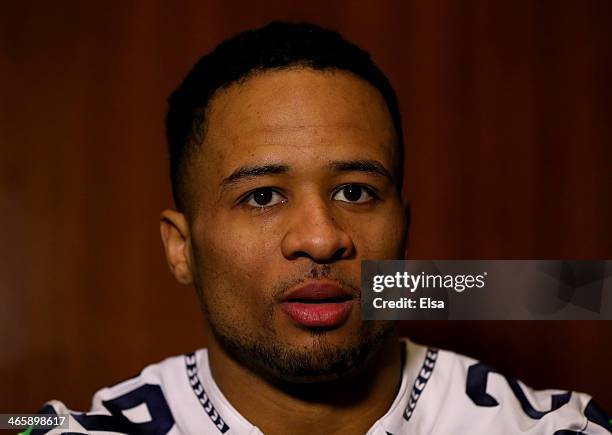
140 404
473 397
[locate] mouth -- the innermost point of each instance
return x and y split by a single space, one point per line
321 304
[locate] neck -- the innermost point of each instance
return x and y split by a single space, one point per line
350 405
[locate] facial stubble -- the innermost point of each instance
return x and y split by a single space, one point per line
320 360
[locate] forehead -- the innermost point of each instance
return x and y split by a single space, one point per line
298 116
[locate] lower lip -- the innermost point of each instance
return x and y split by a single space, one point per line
318 315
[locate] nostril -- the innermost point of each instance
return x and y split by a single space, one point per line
339 254
336 256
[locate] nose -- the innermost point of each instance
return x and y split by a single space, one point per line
314 234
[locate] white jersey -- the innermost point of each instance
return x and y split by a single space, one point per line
441 393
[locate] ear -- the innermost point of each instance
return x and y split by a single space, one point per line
408 214
177 244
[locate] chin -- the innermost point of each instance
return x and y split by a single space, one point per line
308 356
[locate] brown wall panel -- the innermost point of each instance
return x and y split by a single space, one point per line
509 155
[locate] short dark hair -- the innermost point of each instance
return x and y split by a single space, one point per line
278 45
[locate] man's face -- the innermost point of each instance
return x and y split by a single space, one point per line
294 186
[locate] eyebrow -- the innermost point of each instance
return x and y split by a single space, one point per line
373 167
246 172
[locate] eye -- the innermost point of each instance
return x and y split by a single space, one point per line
264 197
354 193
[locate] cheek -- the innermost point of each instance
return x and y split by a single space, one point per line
243 245
232 261
381 236
230 285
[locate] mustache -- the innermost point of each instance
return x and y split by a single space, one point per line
317 271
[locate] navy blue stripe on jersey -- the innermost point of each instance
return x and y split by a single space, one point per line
597 415
47 409
421 381
198 389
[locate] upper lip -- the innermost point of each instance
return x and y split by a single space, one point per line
315 291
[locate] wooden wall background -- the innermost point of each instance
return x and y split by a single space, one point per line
507 109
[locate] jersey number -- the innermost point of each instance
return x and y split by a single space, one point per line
476 389
161 418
